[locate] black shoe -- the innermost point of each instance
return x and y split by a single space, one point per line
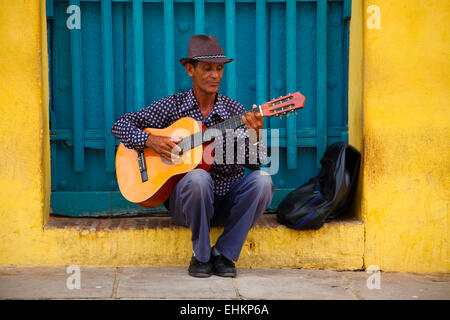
200 269
222 266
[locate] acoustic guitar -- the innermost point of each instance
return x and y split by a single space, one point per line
146 179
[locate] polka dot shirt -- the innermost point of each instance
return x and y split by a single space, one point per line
164 112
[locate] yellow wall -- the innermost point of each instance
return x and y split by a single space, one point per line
355 91
24 140
398 90
406 184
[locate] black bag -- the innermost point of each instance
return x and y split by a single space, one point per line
325 196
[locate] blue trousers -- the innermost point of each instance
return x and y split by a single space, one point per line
194 204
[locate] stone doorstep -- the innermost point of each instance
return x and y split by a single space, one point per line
267 221
281 247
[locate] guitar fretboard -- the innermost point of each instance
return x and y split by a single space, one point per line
212 132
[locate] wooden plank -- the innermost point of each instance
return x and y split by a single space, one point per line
206 1
169 46
291 79
138 44
112 203
345 73
277 71
108 82
50 9
347 11
261 52
262 60
199 8
321 115
230 18
94 139
52 116
77 95
96 204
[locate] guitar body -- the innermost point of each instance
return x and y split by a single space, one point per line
162 176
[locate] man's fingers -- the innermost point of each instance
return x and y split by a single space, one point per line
171 144
245 120
259 116
169 156
255 120
173 147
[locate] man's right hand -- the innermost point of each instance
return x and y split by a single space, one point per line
165 146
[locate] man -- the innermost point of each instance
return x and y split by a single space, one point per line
222 195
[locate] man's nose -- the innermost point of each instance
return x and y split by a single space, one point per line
215 73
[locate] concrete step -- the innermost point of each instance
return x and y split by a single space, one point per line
158 241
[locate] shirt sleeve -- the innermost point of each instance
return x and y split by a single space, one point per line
129 127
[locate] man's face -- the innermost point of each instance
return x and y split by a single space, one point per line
206 76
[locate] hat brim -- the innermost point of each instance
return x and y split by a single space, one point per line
211 60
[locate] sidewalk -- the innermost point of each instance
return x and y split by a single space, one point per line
175 283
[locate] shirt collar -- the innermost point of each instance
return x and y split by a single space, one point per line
219 107
188 102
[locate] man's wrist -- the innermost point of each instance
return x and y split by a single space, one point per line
254 137
148 142
255 141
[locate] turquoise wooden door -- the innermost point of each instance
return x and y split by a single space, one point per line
125 55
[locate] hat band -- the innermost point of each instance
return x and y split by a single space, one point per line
209 57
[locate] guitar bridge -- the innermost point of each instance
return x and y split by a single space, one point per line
142 166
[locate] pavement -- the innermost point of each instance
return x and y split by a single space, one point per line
173 283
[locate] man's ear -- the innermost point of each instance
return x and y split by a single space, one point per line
189 69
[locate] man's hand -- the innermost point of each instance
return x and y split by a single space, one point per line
253 121
165 146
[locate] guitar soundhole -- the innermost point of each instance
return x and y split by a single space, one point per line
169 163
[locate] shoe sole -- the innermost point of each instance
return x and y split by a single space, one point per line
200 275
226 274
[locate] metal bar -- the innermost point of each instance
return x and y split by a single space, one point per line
199 8
138 41
230 17
321 113
77 95
291 77
169 46
108 83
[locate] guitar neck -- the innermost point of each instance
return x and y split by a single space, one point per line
275 107
229 124
212 132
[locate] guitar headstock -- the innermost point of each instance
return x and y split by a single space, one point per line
283 105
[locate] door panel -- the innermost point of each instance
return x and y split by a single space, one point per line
126 55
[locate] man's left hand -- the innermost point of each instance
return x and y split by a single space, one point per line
253 121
